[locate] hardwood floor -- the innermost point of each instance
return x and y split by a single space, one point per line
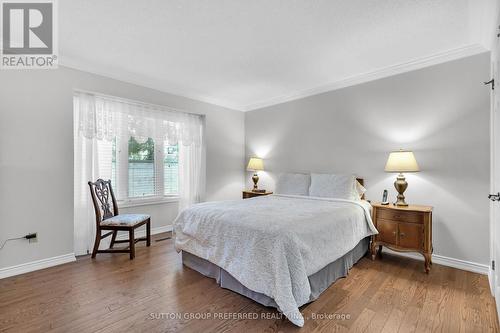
155 293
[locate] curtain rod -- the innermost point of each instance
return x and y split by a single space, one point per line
135 102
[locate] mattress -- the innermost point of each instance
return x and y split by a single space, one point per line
318 281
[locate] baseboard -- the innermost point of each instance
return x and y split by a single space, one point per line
491 281
36 265
142 232
70 257
66 258
497 302
446 261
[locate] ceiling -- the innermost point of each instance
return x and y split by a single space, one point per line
250 54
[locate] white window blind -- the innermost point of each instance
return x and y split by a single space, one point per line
141 168
171 169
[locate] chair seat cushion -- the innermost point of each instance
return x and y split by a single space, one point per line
125 220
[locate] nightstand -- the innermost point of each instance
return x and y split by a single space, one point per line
404 229
250 194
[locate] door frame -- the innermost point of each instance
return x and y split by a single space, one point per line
494 274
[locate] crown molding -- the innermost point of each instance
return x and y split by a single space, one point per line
412 65
143 81
151 83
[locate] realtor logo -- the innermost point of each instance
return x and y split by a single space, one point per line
28 34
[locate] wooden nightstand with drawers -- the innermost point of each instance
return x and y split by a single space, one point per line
404 229
251 194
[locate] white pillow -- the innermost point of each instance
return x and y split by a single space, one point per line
333 186
293 184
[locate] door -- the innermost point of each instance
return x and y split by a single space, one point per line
387 231
411 235
494 276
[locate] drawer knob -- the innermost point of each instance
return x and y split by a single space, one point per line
402 234
397 216
394 233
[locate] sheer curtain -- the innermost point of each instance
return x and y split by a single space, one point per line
98 120
191 175
92 160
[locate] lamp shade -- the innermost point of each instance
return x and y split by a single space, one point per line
401 161
255 164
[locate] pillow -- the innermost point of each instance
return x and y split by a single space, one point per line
360 189
334 186
293 183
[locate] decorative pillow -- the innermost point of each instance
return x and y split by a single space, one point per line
293 183
333 186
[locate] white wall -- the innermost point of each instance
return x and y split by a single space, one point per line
440 112
36 156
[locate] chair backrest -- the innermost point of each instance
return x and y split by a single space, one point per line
101 191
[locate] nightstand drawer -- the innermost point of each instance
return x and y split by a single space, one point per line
388 231
400 216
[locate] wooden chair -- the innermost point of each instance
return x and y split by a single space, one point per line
101 191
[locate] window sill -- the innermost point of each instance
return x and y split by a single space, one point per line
147 202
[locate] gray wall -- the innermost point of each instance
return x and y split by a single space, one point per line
440 112
36 156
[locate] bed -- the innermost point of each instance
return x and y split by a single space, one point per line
279 250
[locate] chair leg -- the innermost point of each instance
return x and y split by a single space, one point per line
148 233
131 240
96 243
113 238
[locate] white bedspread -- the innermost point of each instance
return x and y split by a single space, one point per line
272 244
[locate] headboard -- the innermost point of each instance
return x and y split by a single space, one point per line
362 182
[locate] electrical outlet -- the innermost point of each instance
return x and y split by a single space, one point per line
32 237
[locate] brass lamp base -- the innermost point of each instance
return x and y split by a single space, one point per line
255 179
400 184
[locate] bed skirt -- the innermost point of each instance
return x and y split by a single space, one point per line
319 281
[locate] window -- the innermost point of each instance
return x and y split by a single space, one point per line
128 142
171 170
144 170
141 168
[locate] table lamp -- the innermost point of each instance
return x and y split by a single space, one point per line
401 161
255 164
